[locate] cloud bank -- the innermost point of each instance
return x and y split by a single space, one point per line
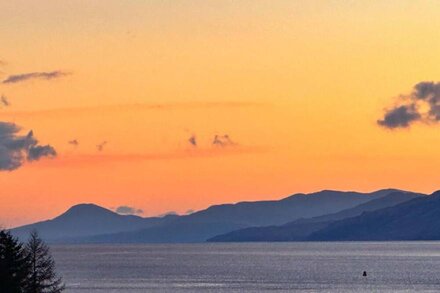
34 75
16 149
170 213
126 210
421 105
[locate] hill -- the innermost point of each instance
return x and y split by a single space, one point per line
215 220
300 229
418 219
86 220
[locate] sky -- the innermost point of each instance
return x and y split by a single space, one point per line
162 106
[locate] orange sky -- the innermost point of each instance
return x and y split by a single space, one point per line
297 85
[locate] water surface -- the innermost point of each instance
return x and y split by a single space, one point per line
281 267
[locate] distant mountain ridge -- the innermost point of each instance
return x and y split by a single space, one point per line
290 208
219 219
92 224
85 220
418 219
301 229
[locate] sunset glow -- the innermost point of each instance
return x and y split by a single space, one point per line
132 94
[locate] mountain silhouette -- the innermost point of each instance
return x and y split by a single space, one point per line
85 220
219 219
89 223
418 219
300 229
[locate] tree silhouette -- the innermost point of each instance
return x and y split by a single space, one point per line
42 277
14 267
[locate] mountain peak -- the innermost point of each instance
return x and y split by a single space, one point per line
85 209
85 205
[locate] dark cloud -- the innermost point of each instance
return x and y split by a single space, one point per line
170 213
429 92
193 140
35 75
15 149
73 142
401 116
39 151
222 141
4 101
101 146
126 210
423 104
189 212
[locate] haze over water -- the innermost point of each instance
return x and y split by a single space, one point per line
281 267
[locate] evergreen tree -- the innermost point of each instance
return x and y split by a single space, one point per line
13 264
42 277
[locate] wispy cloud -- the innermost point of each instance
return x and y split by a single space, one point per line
422 104
80 160
223 141
127 210
100 147
15 149
35 75
73 142
193 140
4 101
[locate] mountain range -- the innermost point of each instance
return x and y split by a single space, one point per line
324 215
300 230
86 220
417 219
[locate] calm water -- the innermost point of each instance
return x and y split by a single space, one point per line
307 267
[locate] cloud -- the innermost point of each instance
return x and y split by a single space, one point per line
170 213
35 75
15 149
4 101
73 142
401 116
101 146
222 141
39 151
193 140
422 104
126 210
